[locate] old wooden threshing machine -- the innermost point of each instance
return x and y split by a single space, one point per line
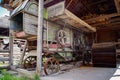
64 36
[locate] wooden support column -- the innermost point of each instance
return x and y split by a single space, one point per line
40 37
11 48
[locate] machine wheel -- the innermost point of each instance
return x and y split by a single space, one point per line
62 37
30 62
51 66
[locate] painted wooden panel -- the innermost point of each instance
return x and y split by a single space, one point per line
30 24
56 10
68 35
32 8
52 31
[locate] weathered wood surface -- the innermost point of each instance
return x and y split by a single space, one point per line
30 23
77 21
40 38
23 53
118 51
15 3
11 48
59 12
105 44
4 51
74 21
4 54
32 8
4 59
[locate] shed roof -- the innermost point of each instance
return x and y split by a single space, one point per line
20 7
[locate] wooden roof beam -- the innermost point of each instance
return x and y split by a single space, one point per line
79 20
91 20
117 5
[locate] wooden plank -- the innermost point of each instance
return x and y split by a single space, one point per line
15 3
32 8
5 55
104 56
78 20
30 24
93 20
4 59
23 53
118 51
104 44
74 21
4 51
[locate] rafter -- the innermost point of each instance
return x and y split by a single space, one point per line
97 19
117 5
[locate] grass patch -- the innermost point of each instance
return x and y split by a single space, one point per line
6 76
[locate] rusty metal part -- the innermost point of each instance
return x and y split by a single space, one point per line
51 66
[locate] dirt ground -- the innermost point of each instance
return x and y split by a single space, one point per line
86 73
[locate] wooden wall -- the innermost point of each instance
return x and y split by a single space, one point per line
106 35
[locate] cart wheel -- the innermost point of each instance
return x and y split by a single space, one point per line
51 66
30 62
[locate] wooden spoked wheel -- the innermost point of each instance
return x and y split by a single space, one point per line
30 62
51 66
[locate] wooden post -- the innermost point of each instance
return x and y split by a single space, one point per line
40 37
47 33
11 48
